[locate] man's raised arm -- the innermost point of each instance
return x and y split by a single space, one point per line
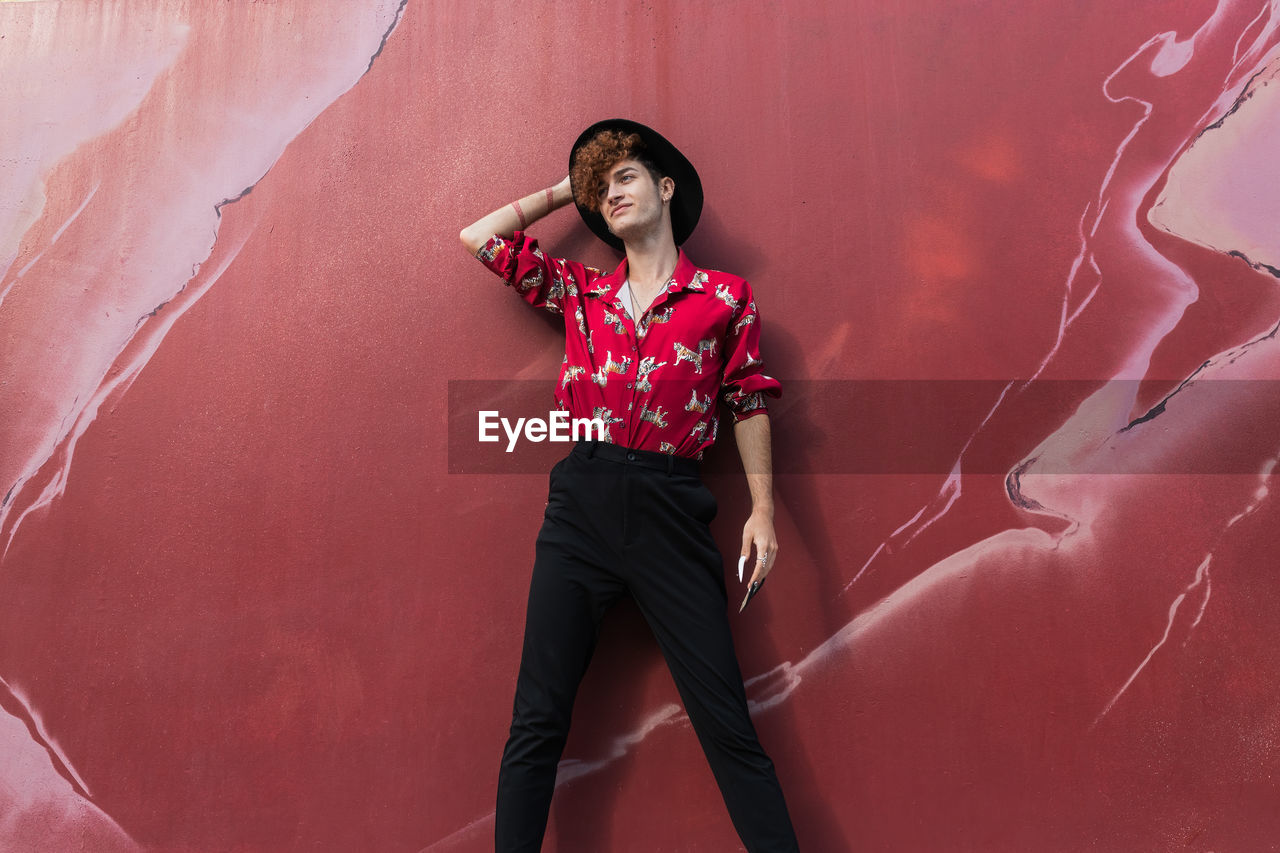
518 215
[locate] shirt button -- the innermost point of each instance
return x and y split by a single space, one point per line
628 386
631 457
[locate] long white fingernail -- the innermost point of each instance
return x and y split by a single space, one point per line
742 561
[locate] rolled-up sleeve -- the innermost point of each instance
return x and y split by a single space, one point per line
537 278
745 383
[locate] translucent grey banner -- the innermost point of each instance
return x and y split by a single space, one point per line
924 427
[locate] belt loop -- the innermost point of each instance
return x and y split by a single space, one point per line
671 463
591 449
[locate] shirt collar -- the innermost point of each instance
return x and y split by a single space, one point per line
686 276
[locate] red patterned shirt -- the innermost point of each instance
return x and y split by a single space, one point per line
657 384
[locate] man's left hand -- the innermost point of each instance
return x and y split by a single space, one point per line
758 532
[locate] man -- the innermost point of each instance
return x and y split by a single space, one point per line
653 350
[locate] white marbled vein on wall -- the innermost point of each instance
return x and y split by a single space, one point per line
1224 192
133 127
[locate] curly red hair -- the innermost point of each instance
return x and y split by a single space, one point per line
605 150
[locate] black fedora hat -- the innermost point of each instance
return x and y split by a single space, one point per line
686 203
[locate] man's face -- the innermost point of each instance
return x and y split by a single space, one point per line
631 201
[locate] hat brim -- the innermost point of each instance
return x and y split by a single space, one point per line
686 202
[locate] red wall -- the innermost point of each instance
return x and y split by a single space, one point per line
254 596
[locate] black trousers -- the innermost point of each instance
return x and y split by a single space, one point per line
619 522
